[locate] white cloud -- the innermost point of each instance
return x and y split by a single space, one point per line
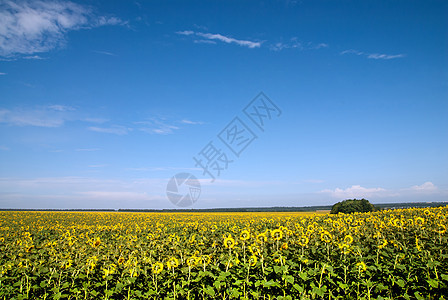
1 73
115 129
58 107
44 116
384 56
372 55
105 53
425 187
28 27
355 191
185 121
157 126
185 32
294 43
221 38
82 192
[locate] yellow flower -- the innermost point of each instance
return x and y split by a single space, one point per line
345 248
205 259
120 260
157 268
245 235
285 246
419 221
442 229
262 237
172 263
192 261
96 242
229 242
253 260
325 237
384 244
348 239
361 266
277 234
304 241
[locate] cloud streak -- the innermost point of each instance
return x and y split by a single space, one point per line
372 55
28 27
115 129
212 37
294 43
44 116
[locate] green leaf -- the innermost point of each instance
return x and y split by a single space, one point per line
400 282
418 296
298 287
289 279
209 291
433 282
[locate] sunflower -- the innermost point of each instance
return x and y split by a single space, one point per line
120 260
326 237
96 242
277 234
442 229
172 263
383 245
229 242
262 237
419 221
245 235
361 266
253 260
303 240
157 268
348 239
192 261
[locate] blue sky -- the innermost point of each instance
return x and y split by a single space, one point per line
102 102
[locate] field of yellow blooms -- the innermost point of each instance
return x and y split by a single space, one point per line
399 254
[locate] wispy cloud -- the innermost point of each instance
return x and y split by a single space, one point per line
43 116
98 166
105 53
157 126
384 56
355 191
1 73
115 129
372 55
4 148
28 27
219 37
185 121
294 43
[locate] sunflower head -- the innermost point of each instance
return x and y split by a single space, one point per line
277 234
157 268
229 242
245 235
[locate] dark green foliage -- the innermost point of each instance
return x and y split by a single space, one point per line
352 205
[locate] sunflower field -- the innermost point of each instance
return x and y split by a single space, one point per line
393 254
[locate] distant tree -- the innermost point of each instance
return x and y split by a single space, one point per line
352 205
